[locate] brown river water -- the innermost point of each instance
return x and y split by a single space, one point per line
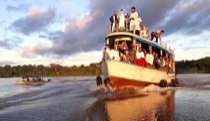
78 99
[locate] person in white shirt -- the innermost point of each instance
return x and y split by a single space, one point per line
122 21
138 26
116 55
149 58
140 54
134 20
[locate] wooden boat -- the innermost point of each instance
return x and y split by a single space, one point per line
119 74
33 80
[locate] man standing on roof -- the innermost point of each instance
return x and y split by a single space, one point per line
114 22
133 20
157 34
122 21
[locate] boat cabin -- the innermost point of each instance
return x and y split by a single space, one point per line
115 39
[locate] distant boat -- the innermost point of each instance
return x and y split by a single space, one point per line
120 74
33 80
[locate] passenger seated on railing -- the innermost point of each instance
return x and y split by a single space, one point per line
132 55
147 35
156 34
140 58
112 54
133 21
114 22
127 22
115 55
150 58
123 47
143 32
121 21
123 57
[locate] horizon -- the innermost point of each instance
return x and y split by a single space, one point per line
44 32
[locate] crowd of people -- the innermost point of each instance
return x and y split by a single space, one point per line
131 54
140 57
132 23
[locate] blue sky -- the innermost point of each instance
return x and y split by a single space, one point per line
71 32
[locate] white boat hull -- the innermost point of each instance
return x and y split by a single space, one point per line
122 74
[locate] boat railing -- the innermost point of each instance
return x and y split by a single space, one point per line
162 44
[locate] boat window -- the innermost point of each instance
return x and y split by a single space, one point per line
145 47
111 42
156 50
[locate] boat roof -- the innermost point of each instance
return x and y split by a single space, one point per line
143 40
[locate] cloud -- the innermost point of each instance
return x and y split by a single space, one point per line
35 21
10 43
87 32
20 7
190 18
30 52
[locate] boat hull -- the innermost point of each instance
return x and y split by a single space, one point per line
31 83
122 74
118 82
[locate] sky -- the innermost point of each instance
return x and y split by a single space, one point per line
72 32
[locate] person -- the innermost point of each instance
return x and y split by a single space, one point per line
132 55
133 21
162 61
147 33
140 54
150 58
127 22
140 61
112 54
138 22
157 34
116 55
123 47
114 22
156 61
143 32
122 21
123 57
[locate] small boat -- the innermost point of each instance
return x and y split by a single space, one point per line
33 80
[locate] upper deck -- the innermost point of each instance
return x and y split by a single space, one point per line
160 46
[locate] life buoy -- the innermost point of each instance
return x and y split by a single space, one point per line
163 83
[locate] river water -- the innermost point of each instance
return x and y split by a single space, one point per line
78 99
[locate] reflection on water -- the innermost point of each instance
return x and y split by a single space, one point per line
141 107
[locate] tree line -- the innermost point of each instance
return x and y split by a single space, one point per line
194 66
52 70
